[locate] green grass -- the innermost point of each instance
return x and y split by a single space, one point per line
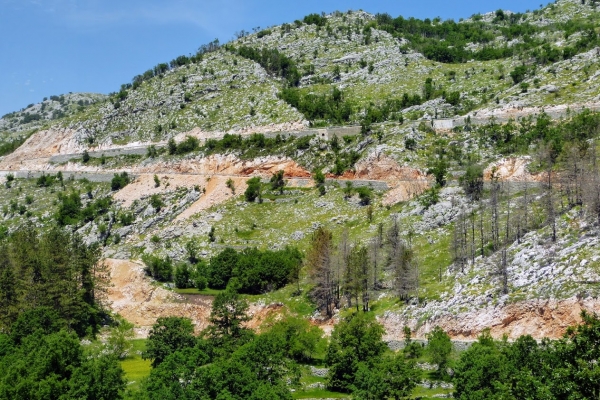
246 235
45 199
434 258
390 302
297 304
315 393
205 292
134 366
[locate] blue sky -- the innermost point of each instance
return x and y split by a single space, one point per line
50 47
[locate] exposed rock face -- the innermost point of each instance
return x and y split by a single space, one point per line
538 318
218 164
404 191
378 166
134 297
216 192
405 182
512 169
38 148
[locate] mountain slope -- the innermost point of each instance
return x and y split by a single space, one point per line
280 88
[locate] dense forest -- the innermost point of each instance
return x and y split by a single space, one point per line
51 295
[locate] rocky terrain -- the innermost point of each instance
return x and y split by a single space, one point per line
223 95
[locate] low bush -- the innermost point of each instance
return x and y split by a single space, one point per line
119 181
159 268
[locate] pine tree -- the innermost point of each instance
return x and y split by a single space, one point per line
319 264
402 262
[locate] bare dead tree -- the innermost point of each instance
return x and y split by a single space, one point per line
507 240
375 255
522 217
357 278
459 240
402 262
591 193
352 279
472 219
481 231
494 208
571 180
342 261
320 269
546 158
507 234
504 271
365 277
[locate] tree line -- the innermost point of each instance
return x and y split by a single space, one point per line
332 107
251 271
53 271
52 293
161 68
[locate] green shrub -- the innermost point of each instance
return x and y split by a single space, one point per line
331 107
453 98
518 74
277 181
45 180
472 182
156 202
231 185
430 197
439 170
184 277
273 61
152 152
201 282
255 271
188 145
263 33
119 181
253 191
126 218
315 19
69 210
160 269
303 143
439 348
365 194
172 146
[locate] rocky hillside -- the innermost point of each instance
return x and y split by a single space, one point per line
186 137
35 116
